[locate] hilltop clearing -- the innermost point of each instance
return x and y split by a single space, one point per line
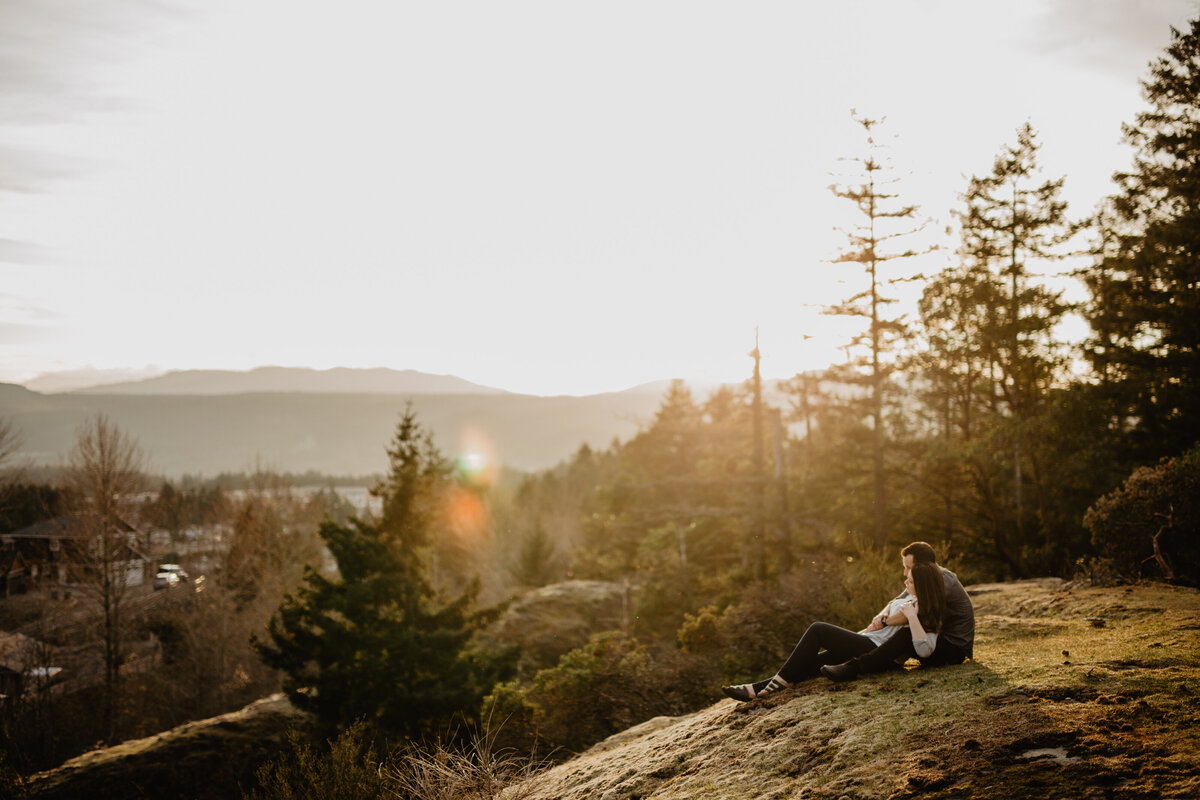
1054 706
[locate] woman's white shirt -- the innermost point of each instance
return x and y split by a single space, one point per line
923 647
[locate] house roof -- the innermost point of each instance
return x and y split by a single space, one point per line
60 527
64 526
68 530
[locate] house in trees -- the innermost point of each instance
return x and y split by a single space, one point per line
24 666
41 550
61 551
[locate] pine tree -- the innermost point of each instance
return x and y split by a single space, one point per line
991 362
951 370
534 564
376 642
1012 221
1145 287
873 243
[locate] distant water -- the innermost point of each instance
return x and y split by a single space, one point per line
358 496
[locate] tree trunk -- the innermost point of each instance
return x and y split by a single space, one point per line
760 560
785 527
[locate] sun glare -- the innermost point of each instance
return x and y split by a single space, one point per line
476 461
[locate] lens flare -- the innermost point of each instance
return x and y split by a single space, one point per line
468 514
476 463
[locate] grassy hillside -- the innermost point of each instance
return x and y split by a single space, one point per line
1052 707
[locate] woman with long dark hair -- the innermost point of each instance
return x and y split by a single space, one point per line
918 613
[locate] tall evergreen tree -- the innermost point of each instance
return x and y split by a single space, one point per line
376 642
1011 222
991 361
1146 287
873 242
950 372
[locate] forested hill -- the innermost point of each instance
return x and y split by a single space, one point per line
1053 707
331 433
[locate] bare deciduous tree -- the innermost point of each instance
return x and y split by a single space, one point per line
104 471
10 441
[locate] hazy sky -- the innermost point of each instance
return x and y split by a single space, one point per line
548 197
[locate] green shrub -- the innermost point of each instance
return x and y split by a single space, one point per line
516 718
611 683
665 583
868 579
1150 525
751 637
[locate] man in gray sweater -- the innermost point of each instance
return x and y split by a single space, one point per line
955 641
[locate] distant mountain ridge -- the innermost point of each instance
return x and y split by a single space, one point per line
70 380
333 433
339 380
332 421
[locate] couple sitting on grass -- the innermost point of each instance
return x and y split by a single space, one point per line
931 620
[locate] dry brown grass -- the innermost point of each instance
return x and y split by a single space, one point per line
478 771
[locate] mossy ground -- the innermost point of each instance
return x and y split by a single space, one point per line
1053 706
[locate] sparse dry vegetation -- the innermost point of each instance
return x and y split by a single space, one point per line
478 770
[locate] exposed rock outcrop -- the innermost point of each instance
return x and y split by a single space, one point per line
213 758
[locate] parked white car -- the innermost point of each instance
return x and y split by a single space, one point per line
174 569
165 580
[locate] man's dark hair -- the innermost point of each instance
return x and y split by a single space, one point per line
921 552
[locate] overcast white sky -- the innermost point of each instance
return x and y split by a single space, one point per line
548 197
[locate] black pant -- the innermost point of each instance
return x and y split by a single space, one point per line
838 644
899 648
